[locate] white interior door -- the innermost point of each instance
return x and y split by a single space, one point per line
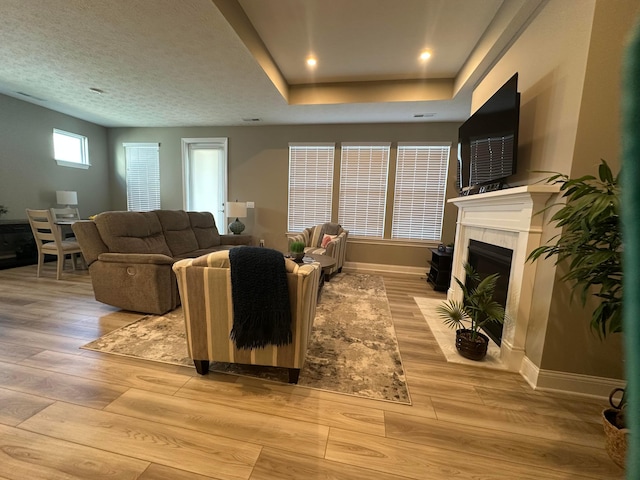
204 164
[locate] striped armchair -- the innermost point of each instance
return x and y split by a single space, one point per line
312 237
205 290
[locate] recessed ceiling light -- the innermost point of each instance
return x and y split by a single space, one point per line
425 55
312 62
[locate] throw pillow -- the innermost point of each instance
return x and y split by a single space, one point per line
326 239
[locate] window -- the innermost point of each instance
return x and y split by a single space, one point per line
421 181
310 185
363 188
143 176
70 149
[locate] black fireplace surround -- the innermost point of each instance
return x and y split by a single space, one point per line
488 259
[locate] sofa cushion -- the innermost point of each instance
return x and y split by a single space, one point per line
177 231
132 232
204 228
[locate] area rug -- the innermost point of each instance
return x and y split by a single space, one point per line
352 350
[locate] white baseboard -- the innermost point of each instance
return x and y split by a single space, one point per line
358 267
550 380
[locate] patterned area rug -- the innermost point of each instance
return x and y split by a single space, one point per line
353 347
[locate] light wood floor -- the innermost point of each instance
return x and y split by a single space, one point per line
67 413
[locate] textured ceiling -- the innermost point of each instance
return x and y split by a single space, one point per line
218 62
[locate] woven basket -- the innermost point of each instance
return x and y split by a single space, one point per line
473 350
615 439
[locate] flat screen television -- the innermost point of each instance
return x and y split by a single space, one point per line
488 142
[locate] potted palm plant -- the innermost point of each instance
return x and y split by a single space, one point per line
591 243
477 307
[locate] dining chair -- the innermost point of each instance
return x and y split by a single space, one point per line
49 240
68 214
64 218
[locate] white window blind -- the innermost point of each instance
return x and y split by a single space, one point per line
310 185
363 188
142 176
421 182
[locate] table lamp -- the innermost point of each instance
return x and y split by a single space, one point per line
67 198
238 210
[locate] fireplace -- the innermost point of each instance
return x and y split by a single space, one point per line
487 259
505 219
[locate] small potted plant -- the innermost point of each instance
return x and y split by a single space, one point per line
3 210
296 251
477 307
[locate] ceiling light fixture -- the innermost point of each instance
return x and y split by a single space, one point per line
425 55
424 115
312 62
96 91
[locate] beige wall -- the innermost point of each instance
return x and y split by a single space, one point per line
258 172
29 176
568 61
598 136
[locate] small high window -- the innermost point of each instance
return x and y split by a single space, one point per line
70 149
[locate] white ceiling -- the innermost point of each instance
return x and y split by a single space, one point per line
221 62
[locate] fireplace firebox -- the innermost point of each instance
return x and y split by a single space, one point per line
488 259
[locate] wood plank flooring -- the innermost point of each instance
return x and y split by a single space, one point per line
67 413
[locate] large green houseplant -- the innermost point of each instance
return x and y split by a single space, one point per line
476 307
591 245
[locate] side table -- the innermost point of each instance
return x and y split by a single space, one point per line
440 272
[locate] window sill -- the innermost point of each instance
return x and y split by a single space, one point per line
396 242
63 163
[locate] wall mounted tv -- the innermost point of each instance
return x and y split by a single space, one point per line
488 142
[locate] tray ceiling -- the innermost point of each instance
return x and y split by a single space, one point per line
227 62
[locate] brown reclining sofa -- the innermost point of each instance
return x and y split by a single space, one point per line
130 254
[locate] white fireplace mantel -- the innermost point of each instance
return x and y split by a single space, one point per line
507 218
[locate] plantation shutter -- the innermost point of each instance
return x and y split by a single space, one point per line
421 182
142 176
310 185
363 188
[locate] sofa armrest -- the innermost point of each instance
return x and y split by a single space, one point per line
235 239
333 247
89 240
139 258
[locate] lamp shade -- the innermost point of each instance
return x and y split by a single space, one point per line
65 197
236 209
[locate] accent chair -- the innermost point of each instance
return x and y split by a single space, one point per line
207 300
325 239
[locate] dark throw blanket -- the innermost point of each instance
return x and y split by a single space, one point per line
260 294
